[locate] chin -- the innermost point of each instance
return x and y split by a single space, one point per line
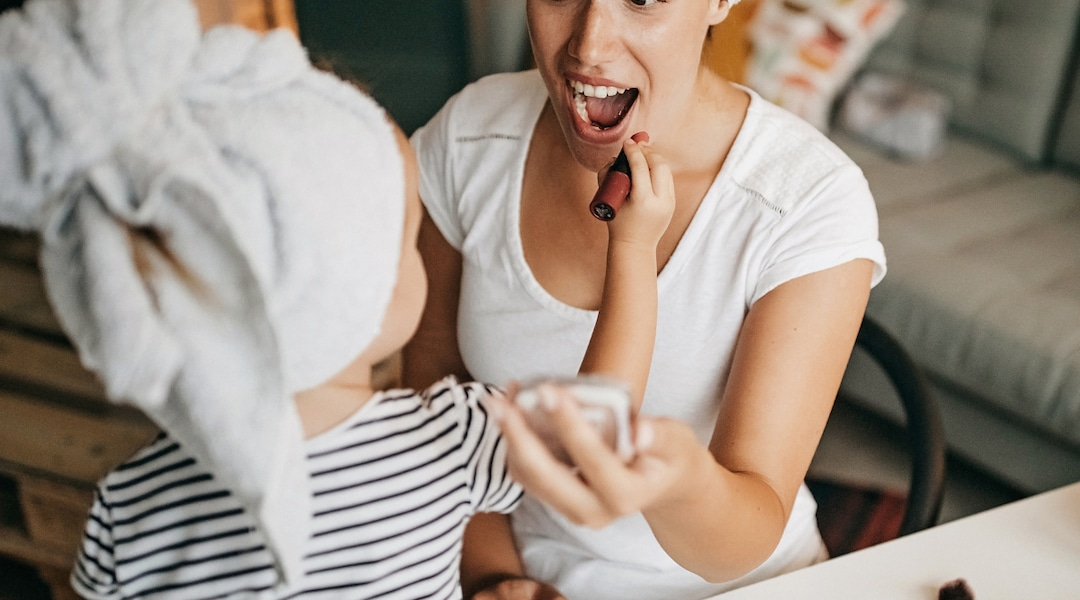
589 154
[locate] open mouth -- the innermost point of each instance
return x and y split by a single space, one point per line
602 106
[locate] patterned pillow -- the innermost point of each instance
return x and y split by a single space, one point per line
805 51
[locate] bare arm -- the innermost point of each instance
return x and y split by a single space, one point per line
718 511
488 552
788 363
433 352
622 341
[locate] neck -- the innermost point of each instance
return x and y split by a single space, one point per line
323 407
700 142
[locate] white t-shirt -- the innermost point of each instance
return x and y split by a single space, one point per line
787 202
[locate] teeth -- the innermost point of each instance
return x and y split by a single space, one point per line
584 90
596 91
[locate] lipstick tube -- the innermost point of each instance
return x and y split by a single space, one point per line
613 190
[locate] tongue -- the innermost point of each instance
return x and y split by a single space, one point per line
607 112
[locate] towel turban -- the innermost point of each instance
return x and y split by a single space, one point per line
277 187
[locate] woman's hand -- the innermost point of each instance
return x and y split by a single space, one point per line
601 487
518 588
647 213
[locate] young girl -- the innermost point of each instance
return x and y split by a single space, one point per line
229 237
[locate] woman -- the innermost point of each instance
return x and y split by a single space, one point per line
764 273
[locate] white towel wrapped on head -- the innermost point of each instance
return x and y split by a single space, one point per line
277 187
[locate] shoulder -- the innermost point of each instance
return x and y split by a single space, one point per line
159 472
446 400
449 391
781 159
465 405
156 459
503 105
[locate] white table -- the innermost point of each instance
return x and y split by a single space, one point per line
1028 549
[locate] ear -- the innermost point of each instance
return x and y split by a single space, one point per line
718 11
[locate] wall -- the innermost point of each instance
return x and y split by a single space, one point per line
411 56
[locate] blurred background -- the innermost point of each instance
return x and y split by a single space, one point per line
414 54
58 434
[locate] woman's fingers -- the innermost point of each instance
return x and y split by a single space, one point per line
534 467
525 448
658 471
606 474
601 487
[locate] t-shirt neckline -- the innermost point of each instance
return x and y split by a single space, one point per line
679 257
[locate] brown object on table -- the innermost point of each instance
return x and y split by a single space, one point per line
957 589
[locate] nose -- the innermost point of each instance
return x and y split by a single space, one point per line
594 35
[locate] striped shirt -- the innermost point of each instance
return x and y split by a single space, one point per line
392 486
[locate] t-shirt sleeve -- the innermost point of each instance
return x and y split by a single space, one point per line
836 223
432 144
94 575
492 489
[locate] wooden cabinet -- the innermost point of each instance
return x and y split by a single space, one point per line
58 433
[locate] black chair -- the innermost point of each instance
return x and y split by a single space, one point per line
925 439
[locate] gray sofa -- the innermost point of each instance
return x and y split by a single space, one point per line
983 242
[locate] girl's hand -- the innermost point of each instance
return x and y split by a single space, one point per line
601 487
647 212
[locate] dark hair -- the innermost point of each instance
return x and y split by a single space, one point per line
335 66
146 243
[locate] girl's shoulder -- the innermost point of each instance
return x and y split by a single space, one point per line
447 397
449 390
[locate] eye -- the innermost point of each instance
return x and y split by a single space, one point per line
644 2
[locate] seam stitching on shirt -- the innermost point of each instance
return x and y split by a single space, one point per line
761 199
487 136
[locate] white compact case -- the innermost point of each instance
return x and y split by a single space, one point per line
604 402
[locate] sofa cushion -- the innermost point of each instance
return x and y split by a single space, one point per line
897 185
980 53
1067 151
805 51
984 289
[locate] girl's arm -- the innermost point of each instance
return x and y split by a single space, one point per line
717 511
621 346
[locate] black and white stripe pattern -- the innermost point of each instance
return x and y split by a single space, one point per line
392 490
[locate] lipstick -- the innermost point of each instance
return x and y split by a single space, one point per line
613 190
